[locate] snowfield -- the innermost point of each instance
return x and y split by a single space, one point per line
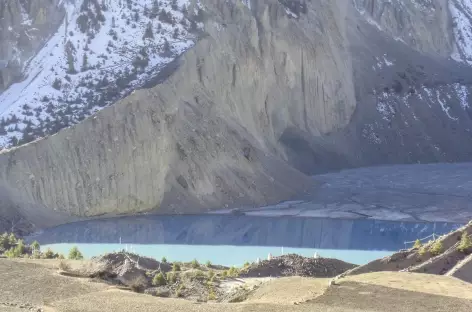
103 50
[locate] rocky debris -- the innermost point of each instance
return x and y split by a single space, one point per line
128 268
159 291
295 265
25 306
238 294
443 256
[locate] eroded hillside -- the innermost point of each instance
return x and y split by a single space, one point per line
270 91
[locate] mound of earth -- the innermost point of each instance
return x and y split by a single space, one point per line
295 265
447 255
128 268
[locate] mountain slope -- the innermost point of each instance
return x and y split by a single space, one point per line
102 51
270 91
444 256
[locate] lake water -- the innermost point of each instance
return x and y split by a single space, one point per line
233 240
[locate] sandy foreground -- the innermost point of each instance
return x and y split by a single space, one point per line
29 285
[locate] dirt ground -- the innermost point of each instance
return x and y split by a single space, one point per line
29 285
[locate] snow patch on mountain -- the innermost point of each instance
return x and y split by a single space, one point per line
461 11
102 51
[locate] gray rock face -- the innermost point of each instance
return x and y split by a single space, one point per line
424 25
264 96
24 27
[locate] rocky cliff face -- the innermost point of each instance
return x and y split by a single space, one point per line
271 91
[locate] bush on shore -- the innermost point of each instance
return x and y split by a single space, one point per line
75 254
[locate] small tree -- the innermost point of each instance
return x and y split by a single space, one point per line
49 254
4 240
148 33
57 84
233 272
84 62
35 245
171 277
195 264
174 5
12 239
20 246
211 294
211 274
164 260
436 248
75 254
155 9
176 267
465 243
17 251
175 35
208 263
417 244
159 280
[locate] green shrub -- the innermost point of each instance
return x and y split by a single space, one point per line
224 274
49 254
138 284
211 294
436 248
233 272
178 292
465 243
211 274
164 260
35 245
61 256
20 246
175 267
75 254
4 240
159 280
417 244
12 239
208 263
171 277
36 254
195 264
17 251
12 253
422 250
198 274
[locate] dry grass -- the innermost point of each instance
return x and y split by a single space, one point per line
40 285
425 283
64 266
37 281
301 289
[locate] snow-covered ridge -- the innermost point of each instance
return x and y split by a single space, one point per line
102 51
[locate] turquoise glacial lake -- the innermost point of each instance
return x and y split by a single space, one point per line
223 255
233 240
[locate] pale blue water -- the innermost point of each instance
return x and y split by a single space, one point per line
233 240
222 254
